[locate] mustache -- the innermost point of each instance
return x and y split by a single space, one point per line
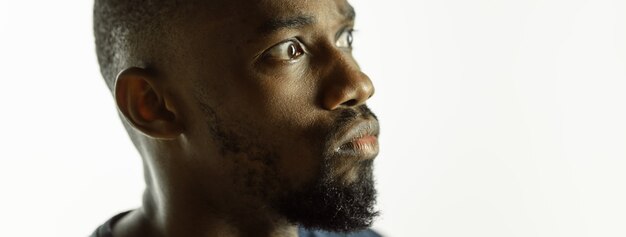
346 116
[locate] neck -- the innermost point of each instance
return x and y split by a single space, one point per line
164 220
173 212
173 207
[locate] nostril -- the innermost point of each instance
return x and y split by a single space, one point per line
350 103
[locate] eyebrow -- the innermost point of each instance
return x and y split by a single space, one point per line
274 25
349 13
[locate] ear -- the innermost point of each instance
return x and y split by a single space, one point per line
144 106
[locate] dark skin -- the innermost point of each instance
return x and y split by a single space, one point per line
274 79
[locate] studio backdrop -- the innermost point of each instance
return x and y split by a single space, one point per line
498 118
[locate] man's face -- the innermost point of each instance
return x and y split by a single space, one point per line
273 106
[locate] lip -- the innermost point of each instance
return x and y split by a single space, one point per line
359 140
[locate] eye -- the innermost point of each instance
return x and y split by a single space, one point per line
345 39
285 51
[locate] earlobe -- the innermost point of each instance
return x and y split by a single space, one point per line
144 106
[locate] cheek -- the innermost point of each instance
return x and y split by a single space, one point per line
293 128
278 111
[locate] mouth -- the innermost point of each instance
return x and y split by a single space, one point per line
359 140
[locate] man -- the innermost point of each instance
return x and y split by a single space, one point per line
250 116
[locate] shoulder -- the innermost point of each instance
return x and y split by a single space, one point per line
318 233
106 229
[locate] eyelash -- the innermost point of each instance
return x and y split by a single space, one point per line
295 41
350 32
267 54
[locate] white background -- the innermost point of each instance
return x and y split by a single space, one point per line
499 118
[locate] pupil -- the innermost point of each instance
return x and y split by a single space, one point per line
349 38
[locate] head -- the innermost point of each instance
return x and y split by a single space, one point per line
245 108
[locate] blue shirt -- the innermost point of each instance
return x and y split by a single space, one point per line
105 230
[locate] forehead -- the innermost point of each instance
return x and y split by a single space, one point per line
217 38
221 28
247 13
273 8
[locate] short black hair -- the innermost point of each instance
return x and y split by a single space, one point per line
129 32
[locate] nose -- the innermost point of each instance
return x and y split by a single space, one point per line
346 86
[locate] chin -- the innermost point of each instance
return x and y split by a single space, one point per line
333 203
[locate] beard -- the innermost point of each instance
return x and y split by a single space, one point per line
326 202
329 204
